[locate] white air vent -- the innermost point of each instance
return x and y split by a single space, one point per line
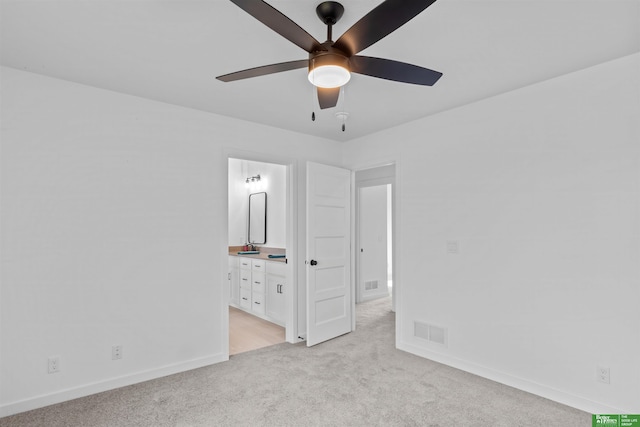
432 333
370 285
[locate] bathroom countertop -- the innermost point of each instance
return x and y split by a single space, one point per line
264 253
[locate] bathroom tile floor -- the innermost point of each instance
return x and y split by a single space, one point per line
247 332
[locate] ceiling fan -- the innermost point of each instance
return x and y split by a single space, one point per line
330 64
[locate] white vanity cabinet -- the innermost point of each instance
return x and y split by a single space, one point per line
245 283
276 288
260 286
252 285
234 281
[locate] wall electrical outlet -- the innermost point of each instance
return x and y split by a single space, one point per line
116 352
603 375
54 364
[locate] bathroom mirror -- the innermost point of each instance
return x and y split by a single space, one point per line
257 218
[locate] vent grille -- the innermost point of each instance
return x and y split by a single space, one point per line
370 285
431 333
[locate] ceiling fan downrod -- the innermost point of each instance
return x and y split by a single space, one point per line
329 12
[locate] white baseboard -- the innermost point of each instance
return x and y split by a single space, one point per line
512 381
109 384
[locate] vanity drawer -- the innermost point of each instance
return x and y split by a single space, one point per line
258 282
258 265
245 299
257 303
245 279
245 263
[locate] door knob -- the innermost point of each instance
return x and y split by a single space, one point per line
314 262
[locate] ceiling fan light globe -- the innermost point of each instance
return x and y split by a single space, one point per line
329 76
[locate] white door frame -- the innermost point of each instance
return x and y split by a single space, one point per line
291 323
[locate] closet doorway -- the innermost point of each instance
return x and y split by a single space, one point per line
375 233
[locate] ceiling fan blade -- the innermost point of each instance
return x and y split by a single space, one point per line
279 23
328 97
393 70
264 70
380 22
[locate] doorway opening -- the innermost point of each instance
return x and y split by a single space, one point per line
259 309
305 296
375 234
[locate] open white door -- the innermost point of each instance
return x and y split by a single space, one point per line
328 257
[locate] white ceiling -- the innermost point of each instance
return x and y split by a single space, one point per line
171 51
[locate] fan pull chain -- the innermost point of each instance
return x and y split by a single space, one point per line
313 105
344 115
313 97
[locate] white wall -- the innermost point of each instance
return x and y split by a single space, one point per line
114 232
541 188
273 182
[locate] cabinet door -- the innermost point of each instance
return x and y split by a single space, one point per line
234 286
276 302
234 281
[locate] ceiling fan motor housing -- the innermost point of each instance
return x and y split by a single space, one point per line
331 56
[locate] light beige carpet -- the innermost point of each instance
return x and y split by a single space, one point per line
359 379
